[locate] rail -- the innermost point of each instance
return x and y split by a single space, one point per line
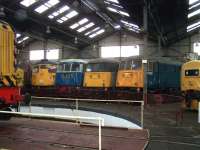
98 100
45 116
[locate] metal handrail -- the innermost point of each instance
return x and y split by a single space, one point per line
37 115
98 100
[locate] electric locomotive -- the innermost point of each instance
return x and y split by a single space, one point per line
70 73
69 77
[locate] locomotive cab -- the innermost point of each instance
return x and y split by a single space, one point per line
130 74
190 84
70 73
43 74
100 73
9 91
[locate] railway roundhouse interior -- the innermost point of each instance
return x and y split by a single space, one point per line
100 74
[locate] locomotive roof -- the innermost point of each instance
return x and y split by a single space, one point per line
3 22
165 60
104 60
73 61
192 61
44 62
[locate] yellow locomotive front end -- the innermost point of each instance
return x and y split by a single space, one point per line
190 84
130 74
100 73
98 79
10 94
43 74
7 58
130 78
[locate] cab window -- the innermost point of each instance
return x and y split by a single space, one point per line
52 69
67 67
35 69
61 67
43 66
75 67
150 67
102 67
130 65
136 65
193 72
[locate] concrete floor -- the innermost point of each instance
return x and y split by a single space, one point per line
166 132
31 134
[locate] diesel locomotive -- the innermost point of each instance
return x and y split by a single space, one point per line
43 74
190 84
9 90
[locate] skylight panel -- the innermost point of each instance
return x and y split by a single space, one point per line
46 6
55 14
193 13
107 2
134 30
63 9
118 11
72 14
112 9
86 27
89 32
58 12
117 5
27 3
51 16
193 26
100 31
67 16
196 5
117 26
93 35
53 2
60 21
124 13
97 33
24 39
89 25
64 18
81 29
83 21
74 26
130 24
114 1
192 2
79 23
41 9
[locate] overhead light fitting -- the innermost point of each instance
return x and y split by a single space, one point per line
2 13
76 40
48 31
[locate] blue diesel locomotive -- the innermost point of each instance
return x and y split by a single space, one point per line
163 75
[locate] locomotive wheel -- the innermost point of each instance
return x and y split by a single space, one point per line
5 117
